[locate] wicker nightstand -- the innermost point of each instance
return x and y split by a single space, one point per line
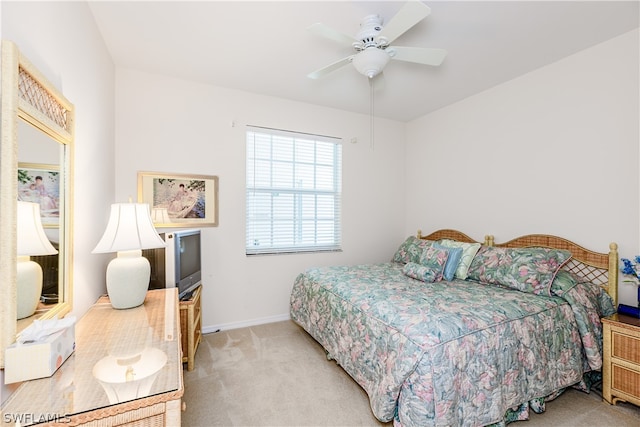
621 364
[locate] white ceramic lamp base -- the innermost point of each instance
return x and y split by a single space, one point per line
29 281
128 279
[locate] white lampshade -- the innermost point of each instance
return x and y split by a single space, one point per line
128 232
160 216
370 61
31 237
129 228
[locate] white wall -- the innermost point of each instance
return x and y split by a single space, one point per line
61 40
554 151
176 126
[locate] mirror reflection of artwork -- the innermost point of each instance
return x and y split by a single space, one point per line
41 184
181 198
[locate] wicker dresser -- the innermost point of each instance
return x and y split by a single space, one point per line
126 370
621 364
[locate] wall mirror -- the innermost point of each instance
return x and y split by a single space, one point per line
36 141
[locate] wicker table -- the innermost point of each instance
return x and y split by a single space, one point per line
126 369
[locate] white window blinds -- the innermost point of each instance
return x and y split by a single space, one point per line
294 190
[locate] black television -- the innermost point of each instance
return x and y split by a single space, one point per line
178 264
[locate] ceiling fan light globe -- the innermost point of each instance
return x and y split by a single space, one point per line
371 61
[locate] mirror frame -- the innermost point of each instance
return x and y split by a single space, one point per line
29 96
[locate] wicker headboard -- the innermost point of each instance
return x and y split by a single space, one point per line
450 234
598 268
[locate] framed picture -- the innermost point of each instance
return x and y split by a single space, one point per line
178 200
40 183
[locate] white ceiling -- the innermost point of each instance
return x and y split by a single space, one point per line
263 46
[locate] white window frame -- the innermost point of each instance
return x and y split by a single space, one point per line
263 235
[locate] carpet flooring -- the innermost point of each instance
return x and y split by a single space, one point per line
277 375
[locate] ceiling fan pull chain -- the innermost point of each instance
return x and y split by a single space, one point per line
372 92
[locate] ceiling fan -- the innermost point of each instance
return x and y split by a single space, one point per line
373 43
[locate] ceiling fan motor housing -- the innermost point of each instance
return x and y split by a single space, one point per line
370 27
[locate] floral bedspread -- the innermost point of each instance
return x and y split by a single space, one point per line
446 353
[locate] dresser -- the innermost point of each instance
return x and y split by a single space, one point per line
126 370
621 360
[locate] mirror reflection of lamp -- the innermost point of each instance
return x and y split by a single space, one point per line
131 378
160 216
31 241
132 365
128 232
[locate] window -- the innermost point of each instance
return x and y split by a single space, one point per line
293 192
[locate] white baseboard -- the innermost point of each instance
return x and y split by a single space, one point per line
245 323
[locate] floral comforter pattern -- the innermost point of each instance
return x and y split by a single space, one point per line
446 353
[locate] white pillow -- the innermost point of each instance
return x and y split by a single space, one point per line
469 250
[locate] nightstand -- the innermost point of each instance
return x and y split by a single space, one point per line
621 364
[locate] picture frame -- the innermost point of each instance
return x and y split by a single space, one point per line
179 200
40 183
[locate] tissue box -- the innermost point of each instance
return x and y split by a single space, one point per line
40 359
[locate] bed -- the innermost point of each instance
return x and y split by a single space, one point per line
500 330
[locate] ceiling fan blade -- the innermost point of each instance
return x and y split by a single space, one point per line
322 30
330 68
420 55
409 15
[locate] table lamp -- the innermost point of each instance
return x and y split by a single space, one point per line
31 241
129 230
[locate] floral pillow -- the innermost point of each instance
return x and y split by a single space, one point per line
469 251
419 272
529 270
595 297
435 259
411 250
563 282
485 265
